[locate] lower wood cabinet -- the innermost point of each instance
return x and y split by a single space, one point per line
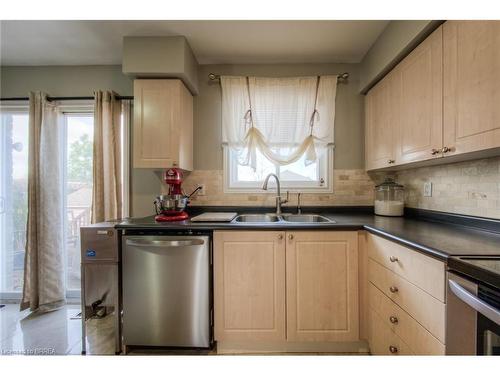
322 286
406 300
321 289
249 285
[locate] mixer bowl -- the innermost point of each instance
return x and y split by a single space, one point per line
165 204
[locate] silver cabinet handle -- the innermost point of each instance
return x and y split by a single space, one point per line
290 236
280 236
393 289
393 259
475 302
393 349
163 243
393 319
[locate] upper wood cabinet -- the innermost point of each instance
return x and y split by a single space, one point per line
249 285
442 100
322 286
404 110
163 124
471 85
381 118
419 129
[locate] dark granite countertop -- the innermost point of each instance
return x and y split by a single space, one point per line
438 239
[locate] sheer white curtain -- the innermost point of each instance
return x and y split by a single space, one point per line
44 287
283 118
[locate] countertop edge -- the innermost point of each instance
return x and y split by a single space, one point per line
435 253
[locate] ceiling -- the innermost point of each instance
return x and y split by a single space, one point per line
213 42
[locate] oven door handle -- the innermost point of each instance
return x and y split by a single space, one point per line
475 302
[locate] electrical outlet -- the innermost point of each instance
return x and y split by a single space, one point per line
202 191
428 189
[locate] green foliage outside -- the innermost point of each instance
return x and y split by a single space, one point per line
80 160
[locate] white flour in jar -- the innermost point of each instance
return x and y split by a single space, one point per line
389 208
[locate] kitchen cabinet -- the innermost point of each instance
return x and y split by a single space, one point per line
315 272
471 86
249 285
440 101
322 286
381 119
406 300
404 110
419 134
163 124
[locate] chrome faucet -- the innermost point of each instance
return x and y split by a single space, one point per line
279 200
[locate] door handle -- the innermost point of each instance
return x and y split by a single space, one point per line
475 302
165 243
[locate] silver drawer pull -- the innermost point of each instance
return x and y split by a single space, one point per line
393 289
393 259
393 319
393 349
160 243
105 232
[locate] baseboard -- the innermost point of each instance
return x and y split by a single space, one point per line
259 347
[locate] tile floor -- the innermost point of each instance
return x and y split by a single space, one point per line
22 333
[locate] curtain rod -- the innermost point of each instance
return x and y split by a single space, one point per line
61 98
341 77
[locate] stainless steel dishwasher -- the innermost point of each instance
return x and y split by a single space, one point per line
166 291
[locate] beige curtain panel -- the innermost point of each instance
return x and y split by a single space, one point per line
107 168
44 288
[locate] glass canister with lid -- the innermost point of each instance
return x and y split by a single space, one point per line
389 198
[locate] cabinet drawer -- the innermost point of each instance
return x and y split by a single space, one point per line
408 329
383 341
421 270
424 308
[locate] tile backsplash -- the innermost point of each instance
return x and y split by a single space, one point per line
352 187
469 188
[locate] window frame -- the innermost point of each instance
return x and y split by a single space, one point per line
233 186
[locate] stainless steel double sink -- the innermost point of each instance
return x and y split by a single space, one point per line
284 218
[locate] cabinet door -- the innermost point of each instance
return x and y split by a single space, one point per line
381 111
420 135
471 85
163 123
322 286
249 285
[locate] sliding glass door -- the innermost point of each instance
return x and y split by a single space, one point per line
79 129
13 200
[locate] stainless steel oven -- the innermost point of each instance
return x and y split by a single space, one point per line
472 317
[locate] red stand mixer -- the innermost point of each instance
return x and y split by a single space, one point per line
171 207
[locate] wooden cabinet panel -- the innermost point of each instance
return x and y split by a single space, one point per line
424 308
471 58
383 341
381 121
402 324
425 272
322 286
249 285
163 124
420 127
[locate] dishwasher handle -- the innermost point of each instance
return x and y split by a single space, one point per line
475 302
165 243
